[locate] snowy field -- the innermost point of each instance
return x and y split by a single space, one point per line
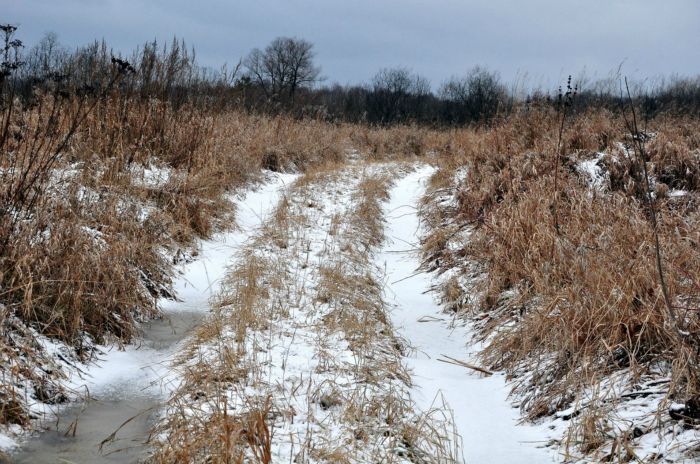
311 320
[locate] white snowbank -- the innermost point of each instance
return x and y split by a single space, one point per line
597 176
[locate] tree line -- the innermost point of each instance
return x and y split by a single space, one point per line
284 77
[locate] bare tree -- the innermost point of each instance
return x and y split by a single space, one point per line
400 81
397 95
46 57
285 66
474 97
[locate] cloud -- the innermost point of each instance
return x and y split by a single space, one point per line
436 38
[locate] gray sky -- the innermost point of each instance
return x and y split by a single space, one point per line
543 39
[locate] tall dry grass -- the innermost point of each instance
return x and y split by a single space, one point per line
88 238
563 310
103 185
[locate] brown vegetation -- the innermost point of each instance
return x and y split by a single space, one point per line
563 309
98 194
99 190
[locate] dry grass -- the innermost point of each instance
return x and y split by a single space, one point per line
86 249
562 311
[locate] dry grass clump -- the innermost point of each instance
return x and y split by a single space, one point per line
204 424
676 162
80 249
506 158
564 306
126 130
368 216
591 298
673 164
284 144
396 143
222 436
103 281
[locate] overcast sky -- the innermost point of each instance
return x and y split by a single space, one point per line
543 39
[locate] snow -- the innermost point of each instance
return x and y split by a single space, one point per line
135 367
483 416
7 443
152 176
674 193
200 279
144 370
592 167
306 353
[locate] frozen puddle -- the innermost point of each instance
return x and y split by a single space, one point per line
128 387
483 416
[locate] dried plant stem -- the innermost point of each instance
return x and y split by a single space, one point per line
555 203
633 128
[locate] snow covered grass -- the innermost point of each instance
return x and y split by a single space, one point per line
140 182
98 206
197 280
115 203
301 362
574 316
135 371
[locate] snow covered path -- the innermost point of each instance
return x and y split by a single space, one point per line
301 348
482 412
137 368
136 380
305 314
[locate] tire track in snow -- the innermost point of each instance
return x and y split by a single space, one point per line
484 418
136 380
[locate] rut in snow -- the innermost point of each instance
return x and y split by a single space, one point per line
482 414
129 386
